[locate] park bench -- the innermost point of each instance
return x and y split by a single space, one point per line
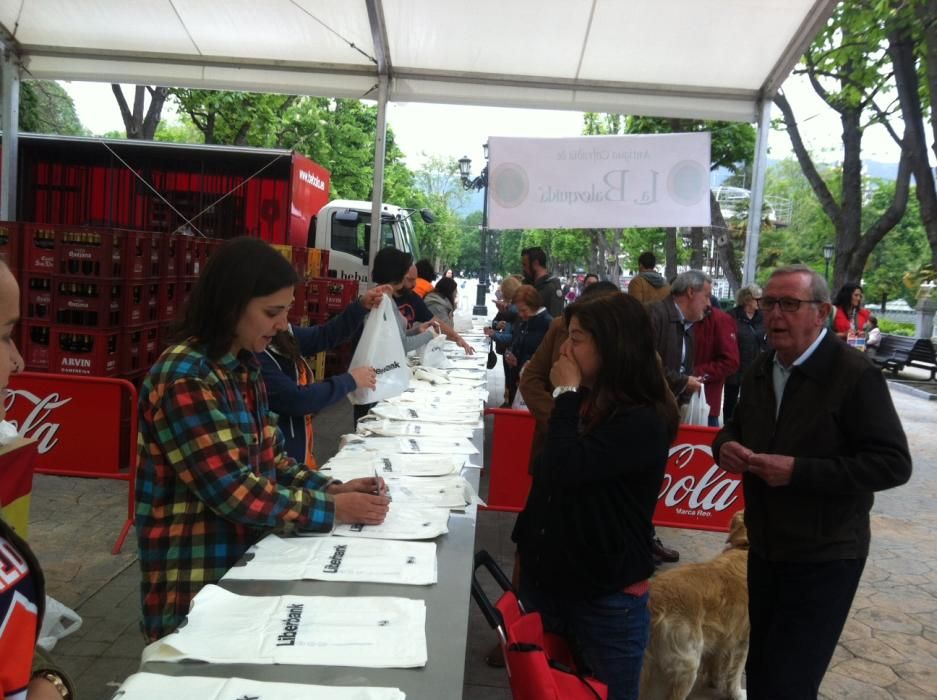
896 352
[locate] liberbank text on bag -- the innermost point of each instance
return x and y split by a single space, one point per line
380 347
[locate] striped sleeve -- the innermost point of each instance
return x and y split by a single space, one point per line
212 457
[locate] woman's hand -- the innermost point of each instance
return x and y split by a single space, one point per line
367 484
356 507
510 359
565 371
469 350
372 297
432 323
489 331
365 377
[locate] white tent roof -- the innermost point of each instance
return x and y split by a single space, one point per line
710 59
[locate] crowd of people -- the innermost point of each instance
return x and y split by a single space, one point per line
809 425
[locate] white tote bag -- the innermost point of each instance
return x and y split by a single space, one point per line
433 354
380 347
697 411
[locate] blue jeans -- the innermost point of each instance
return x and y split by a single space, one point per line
608 633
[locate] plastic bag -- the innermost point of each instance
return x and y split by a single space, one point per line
58 622
697 411
433 354
380 347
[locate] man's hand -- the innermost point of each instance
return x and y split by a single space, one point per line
510 359
356 507
775 470
734 457
693 384
372 297
365 377
432 323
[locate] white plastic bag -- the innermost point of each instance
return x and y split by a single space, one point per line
58 622
433 354
697 411
380 347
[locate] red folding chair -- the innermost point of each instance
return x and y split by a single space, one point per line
512 439
540 664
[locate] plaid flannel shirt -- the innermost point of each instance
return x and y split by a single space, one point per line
212 477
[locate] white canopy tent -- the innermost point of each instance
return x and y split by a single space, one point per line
701 59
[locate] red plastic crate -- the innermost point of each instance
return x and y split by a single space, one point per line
35 345
170 296
298 310
40 243
167 334
211 245
329 295
10 232
168 259
183 290
151 310
141 254
95 303
36 297
139 348
323 264
300 259
88 352
190 254
94 253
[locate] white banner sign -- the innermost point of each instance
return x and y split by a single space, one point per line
599 181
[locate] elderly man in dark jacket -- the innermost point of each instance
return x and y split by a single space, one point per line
672 320
814 435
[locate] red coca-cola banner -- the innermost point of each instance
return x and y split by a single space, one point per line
696 493
83 426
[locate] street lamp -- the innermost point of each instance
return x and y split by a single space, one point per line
479 183
827 256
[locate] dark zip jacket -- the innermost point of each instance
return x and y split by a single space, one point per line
838 421
292 402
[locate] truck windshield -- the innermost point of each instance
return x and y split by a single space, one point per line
409 237
355 237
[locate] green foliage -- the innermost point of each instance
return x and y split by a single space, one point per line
896 328
46 108
183 131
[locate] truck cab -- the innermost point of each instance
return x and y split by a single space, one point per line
343 227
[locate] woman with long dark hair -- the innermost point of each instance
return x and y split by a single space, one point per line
584 537
850 317
212 476
444 298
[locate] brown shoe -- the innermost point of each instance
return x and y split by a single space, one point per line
495 657
659 551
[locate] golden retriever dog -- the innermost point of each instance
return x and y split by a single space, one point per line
699 625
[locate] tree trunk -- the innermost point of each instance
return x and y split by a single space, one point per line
670 253
901 50
138 125
725 252
696 247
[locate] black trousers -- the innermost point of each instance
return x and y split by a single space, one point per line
797 612
730 398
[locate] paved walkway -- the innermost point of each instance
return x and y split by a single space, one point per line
888 650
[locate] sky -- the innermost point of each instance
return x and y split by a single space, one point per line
450 131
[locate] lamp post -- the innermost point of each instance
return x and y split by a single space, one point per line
827 256
479 183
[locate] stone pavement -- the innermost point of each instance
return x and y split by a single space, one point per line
888 649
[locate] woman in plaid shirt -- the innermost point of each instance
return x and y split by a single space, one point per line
212 475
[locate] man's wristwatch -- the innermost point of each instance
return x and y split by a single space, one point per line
563 389
56 680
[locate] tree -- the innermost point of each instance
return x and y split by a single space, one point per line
848 70
137 123
46 108
912 47
235 118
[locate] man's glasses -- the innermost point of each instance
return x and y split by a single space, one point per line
788 304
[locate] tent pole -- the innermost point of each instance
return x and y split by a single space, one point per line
758 192
10 116
380 146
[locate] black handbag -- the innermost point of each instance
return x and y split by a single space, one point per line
492 357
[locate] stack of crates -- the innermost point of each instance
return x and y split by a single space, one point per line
9 252
100 301
327 297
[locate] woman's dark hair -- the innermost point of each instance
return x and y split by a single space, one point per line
285 343
390 266
240 270
844 296
446 288
631 373
424 270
